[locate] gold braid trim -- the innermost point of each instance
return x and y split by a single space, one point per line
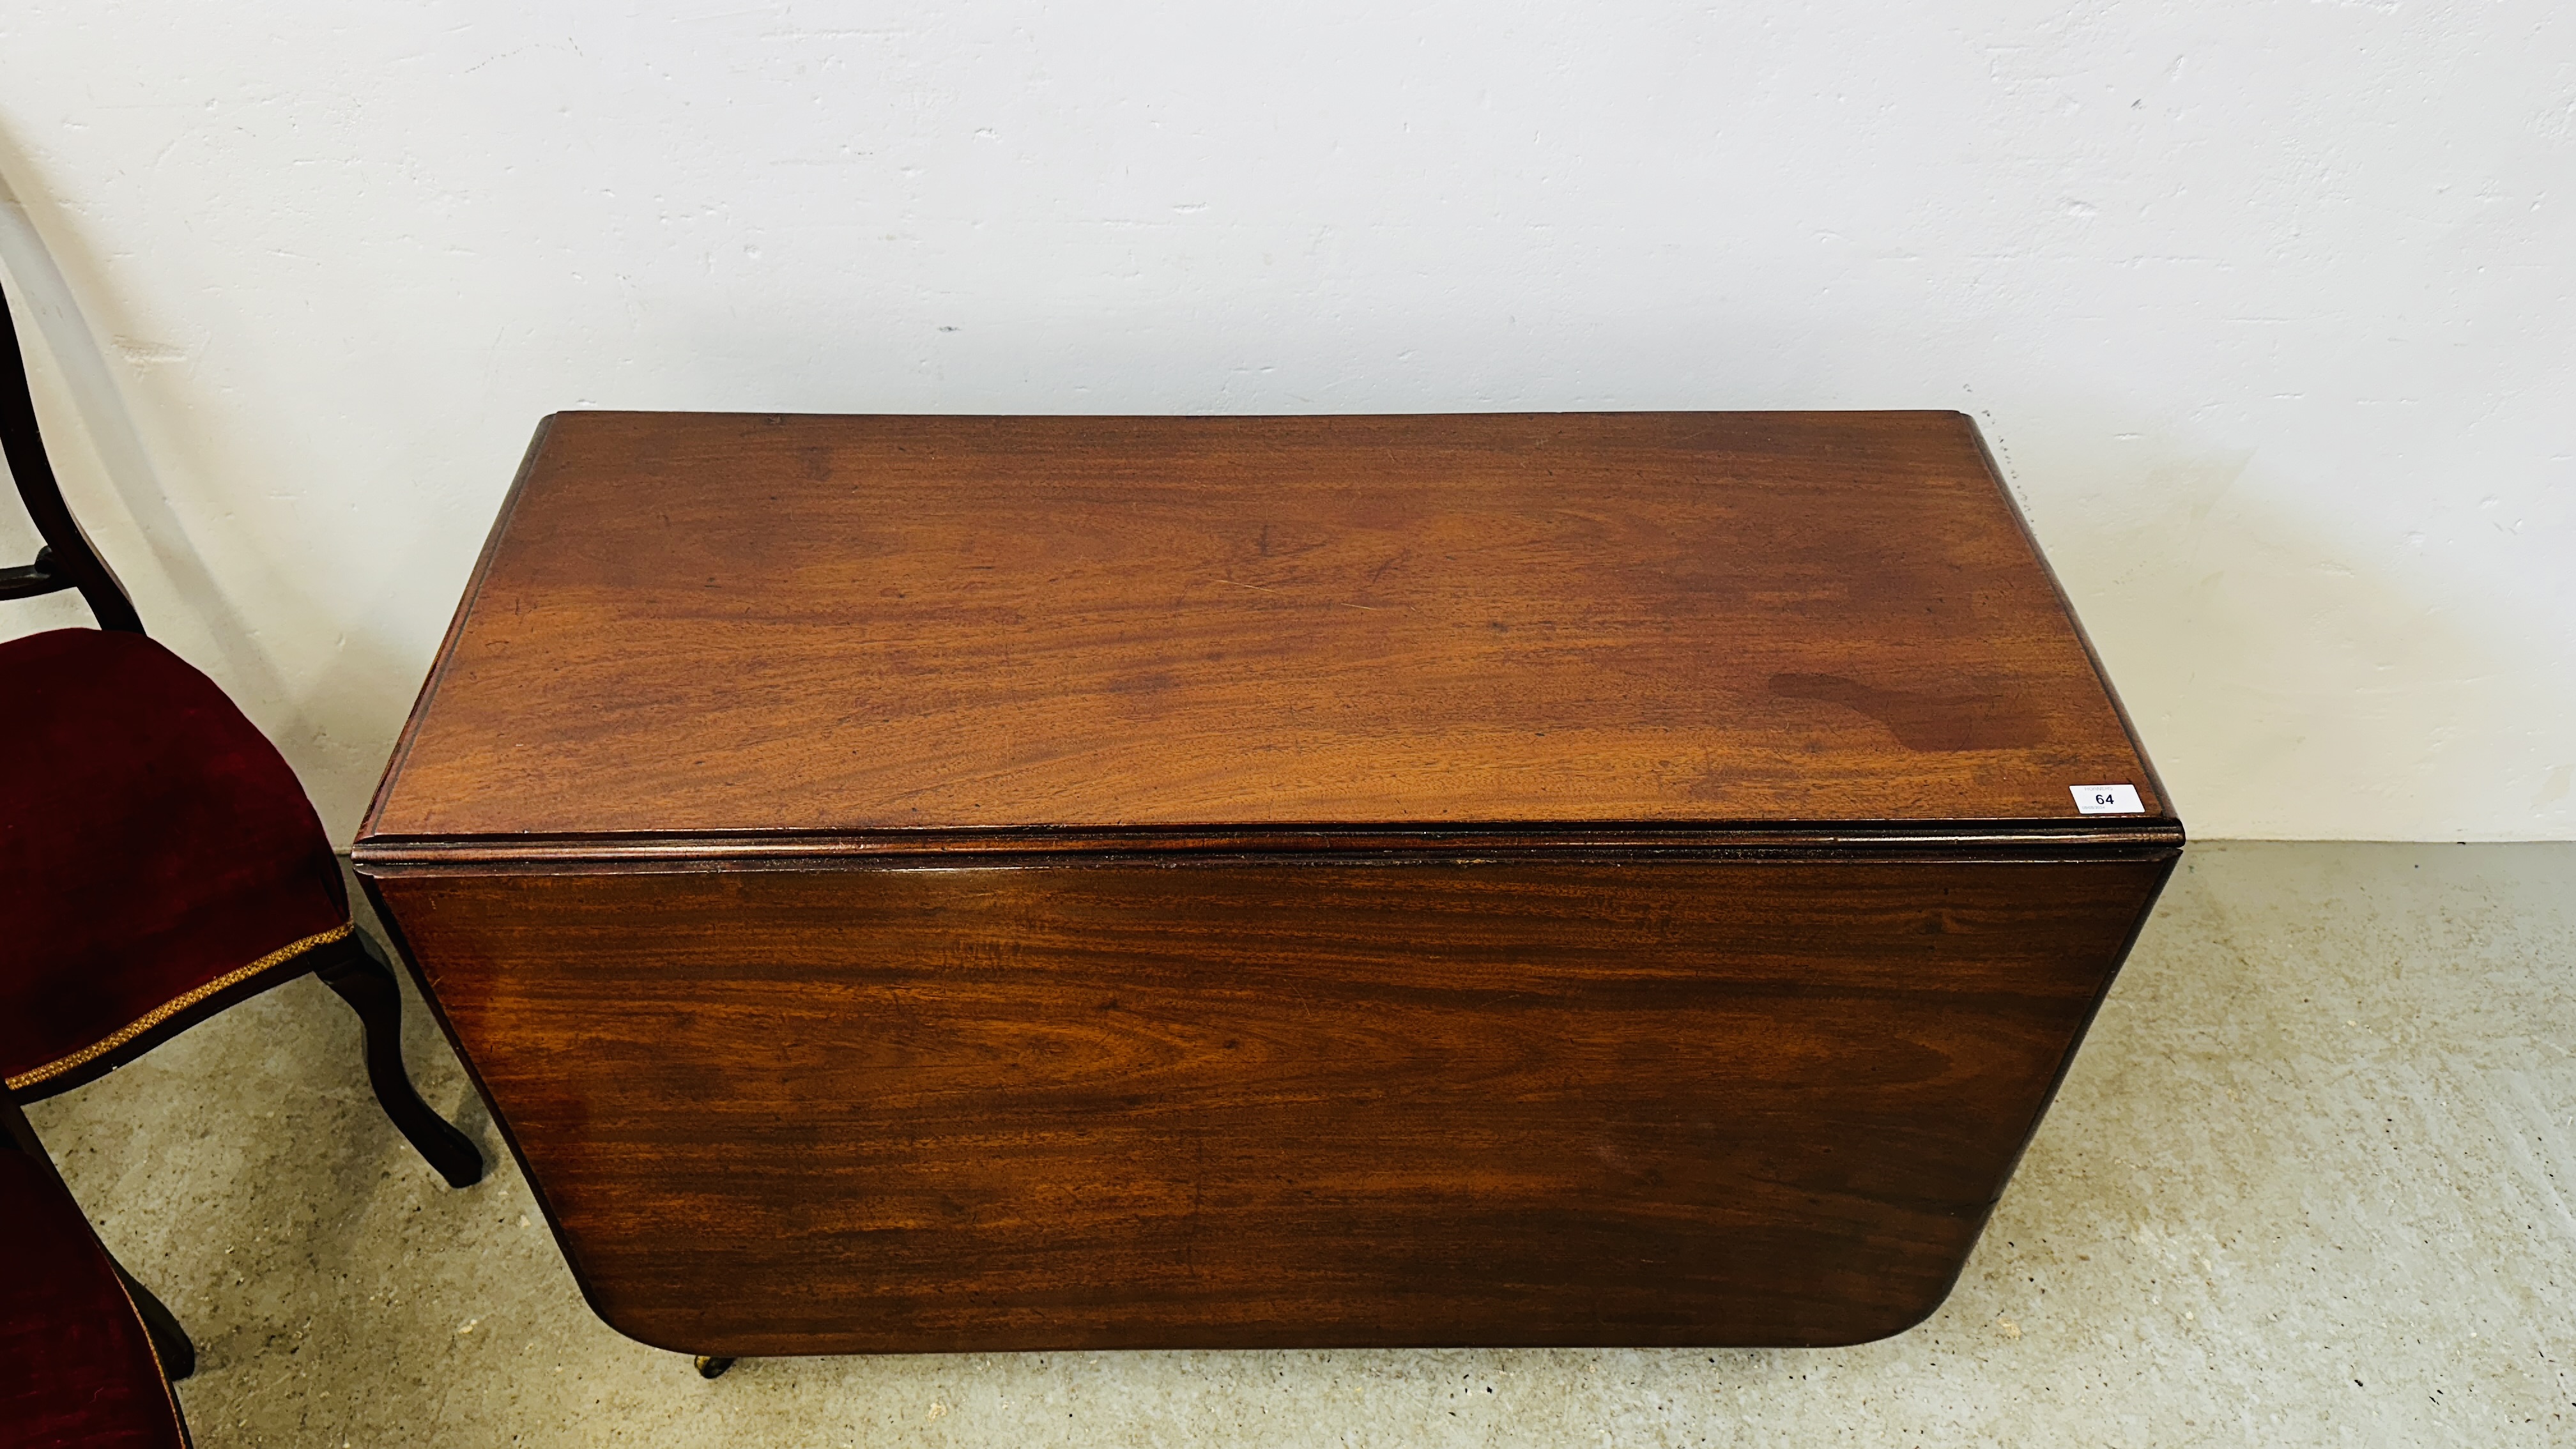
168 1394
171 1008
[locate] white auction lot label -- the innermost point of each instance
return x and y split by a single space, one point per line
2107 799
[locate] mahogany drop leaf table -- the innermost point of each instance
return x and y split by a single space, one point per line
981 883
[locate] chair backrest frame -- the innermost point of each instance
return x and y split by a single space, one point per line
67 560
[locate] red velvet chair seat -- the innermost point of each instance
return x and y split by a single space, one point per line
154 849
76 1367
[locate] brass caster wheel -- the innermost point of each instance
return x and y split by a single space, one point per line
709 1368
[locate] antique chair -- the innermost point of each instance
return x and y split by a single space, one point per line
158 860
77 1365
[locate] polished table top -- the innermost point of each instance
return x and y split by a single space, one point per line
693 625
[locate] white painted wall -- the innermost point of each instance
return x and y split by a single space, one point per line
2271 309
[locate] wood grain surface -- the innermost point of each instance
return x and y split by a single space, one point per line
1552 1099
697 624
914 884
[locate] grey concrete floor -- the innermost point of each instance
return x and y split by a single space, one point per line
2311 1181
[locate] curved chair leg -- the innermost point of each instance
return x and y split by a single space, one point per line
178 1353
362 980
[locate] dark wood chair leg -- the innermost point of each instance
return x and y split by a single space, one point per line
363 980
710 1368
178 1352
